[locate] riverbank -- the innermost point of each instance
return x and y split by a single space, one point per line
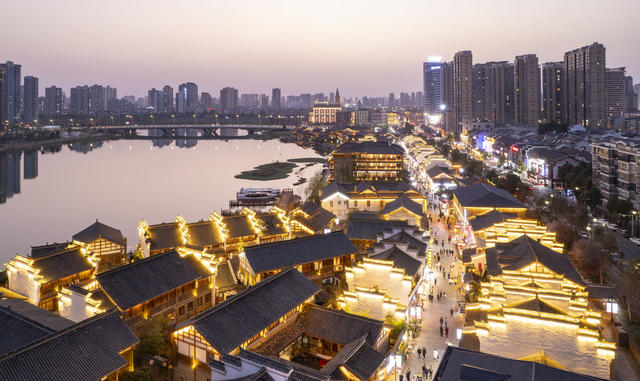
307 160
266 172
20 145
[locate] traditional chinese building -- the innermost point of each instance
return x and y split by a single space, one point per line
239 322
99 348
367 161
319 257
166 284
344 199
364 229
311 218
535 301
53 267
106 243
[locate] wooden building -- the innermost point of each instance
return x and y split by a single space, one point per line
367 161
311 218
105 242
319 257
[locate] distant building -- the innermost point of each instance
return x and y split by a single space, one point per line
10 92
553 89
462 89
615 88
629 94
155 100
96 99
527 90
275 98
79 100
324 113
432 85
187 98
167 106
31 103
53 101
368 161
206 102
616 164
228 99
585 83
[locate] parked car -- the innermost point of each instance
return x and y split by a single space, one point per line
635 240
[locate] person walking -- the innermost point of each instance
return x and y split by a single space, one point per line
419 353
446 332
451 311
408 375
424 353
440 331
441 320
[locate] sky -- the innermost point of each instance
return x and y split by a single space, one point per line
362 47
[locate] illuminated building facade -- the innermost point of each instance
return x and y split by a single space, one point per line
343 199
105 242
367 161
535 301
325 112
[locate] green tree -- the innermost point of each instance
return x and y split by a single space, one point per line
594 198
631 278
474 167
314 186
154 339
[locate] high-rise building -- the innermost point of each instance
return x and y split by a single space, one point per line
629 94
206 102
167 97
155 100
79 100
500 93
53 101
481 107
10 99
96 99
337 100
228 99
447 97
31 103
614 85
110 93
462 89
275 98
585 94
636 96
30 164
527 90
553 82
432 86
187 98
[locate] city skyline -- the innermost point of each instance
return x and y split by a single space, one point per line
298 54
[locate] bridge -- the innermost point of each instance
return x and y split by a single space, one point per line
191 130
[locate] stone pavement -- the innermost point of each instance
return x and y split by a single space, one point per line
429 337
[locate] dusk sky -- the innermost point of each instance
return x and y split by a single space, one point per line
363 47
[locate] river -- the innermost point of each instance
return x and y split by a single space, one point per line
48 197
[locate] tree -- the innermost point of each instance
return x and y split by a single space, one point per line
594 198
474 167
565 233
631 278
492 176
590 258
154 339
315 185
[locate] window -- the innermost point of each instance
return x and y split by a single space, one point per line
190 306
207 298
181 311
368 203
355 203
331 203
199 303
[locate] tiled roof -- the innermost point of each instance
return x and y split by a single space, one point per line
486 196
339 326
369 228
407 239
99 230
62 264
229 324
88 350
143 280
384 147
272 223
47 249
463 364
319 218
358 358
281 254
224 277
438 170
165 236
203 234
523 251
238 226
483 221
22 323
403 202
381 189
400 260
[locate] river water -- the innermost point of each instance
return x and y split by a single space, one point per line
48 197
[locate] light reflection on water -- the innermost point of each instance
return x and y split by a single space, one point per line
49 197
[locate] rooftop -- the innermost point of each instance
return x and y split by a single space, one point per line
99 230
482 195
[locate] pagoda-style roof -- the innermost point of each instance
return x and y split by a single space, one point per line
99 230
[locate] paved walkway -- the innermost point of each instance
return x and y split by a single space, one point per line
429 337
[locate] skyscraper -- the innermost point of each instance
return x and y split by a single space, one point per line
110 93
206 102
629 94
553 82
614 84
228 99
275 98
155 100
527 90
53 101
96 99
585 94
168 99
79 100
10 92
450 123
31 103
481 107
462 89
187 98
432 85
